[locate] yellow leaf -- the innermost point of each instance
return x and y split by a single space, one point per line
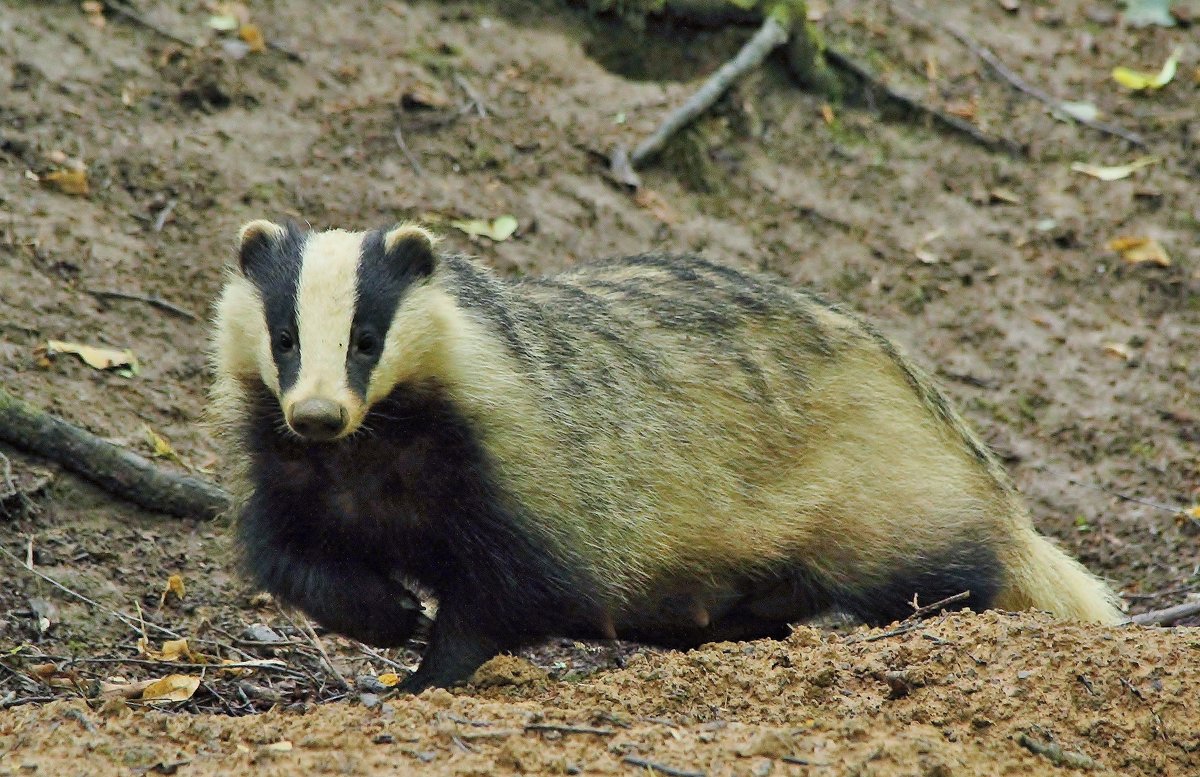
1139 80
1140 250
388 679
1193 512
174 586
253 37
95 357
68 181
162 448
1117 172
173 687
1119 350
501 228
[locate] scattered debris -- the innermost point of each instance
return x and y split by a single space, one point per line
1138 80
122 362
496 230
1116 172
1140 250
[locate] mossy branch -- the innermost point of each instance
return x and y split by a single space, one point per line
121 472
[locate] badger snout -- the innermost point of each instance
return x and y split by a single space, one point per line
318 419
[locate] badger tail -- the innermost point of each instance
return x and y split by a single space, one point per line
1040 576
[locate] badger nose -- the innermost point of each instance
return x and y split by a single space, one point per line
318 419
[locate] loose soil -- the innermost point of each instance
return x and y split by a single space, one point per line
990 267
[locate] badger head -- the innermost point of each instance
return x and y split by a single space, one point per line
313 316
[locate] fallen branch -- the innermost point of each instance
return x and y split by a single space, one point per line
1055 754
121 472
1013 79
1168 615
769 37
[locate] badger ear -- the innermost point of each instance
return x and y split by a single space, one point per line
411 248
256 241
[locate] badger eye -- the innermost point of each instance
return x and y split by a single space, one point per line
284 341
366 343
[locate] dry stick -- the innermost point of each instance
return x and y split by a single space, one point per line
1167 616
1014 80
121 9
667 770
126 619
601 732
408 154
769 37
910 103
119 471
156 302
306 628
910 623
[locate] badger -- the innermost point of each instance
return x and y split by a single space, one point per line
658 448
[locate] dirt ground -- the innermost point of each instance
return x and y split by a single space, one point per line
992 268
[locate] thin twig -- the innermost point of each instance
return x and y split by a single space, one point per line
601 732
655 767
121 9
126 619
1013 79
1126 497
398 134
306 628
910 103
769 37
157 302
910 623
473 95
1168 615
160 220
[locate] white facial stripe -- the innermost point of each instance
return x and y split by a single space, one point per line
324 313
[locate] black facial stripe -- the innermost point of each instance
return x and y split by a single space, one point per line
275 271
383 277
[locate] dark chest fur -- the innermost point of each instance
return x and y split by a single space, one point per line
411 497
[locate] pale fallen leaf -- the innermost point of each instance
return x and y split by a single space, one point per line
173 687
1001 194
1117 349
1116 172
122 362
1143 13
1080 111
1138 80
123 690
68 181
223 22
1140 250
178 649
498 229
282 746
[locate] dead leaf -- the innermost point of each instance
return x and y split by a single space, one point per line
173 687
964 109
1117 172
223 22
68 181
1140 250
388 679
653 202
282 746
174 586
1193 512
122 362
498 229
1000 194
95 13
123 690
827 114
1119 350
253 37
162 449
1138 80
